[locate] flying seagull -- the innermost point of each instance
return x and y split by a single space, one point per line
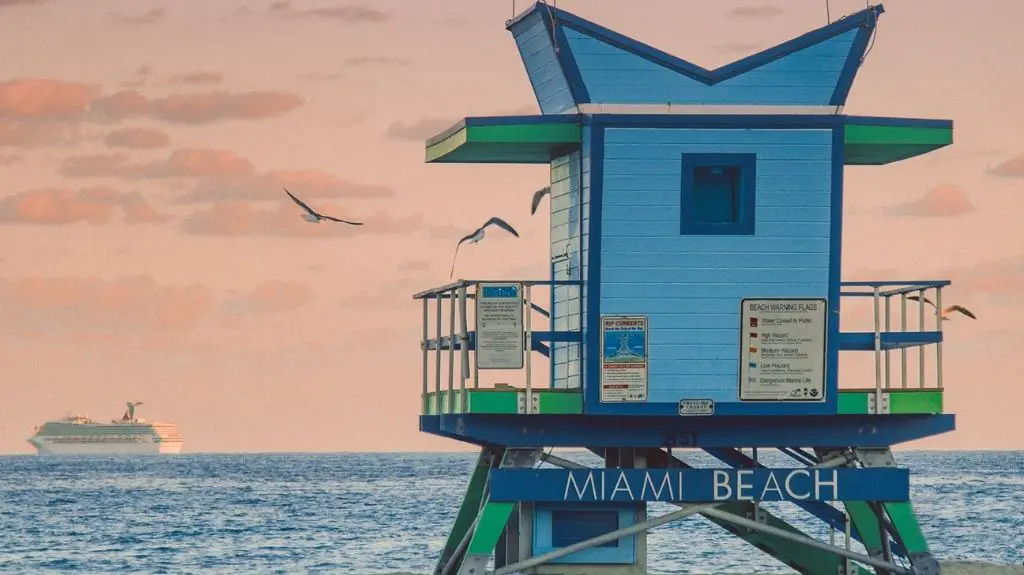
313 216
537 197
478 235
948 310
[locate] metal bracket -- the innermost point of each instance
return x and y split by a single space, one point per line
521 402
885 409
875 457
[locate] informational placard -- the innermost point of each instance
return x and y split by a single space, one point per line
499 326
782 349
696 407
623 358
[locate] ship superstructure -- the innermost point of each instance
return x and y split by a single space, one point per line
80 434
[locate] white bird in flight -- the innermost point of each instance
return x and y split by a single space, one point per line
537 197
315 217
478 235
948 310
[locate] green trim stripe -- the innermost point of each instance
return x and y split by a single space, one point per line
506 143
506 401
901 401
877 145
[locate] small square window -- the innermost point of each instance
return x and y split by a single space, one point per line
571 527
718 194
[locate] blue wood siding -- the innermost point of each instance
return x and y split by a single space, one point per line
613 75
542 67
690 286
566 213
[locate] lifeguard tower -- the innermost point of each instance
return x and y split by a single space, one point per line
693 304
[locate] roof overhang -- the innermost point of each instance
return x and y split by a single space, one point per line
506 140
868 141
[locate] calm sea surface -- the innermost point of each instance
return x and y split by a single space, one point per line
389 513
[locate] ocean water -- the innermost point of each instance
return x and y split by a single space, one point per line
389 513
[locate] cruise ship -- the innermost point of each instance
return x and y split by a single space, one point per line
80 435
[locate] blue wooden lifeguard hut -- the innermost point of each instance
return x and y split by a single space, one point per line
693 304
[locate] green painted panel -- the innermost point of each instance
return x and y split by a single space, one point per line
487 401
901 401
877 145
493 520
469 508
905 521
508 143
926 401
558 401
897 135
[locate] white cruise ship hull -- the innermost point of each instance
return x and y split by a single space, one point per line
49 447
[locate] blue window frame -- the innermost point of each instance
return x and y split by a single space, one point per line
717 195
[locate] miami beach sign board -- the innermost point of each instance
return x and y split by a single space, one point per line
700 485
623 358
782 349
499 326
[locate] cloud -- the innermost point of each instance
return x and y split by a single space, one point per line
62 206
388 295
199 78
242 219
943 201
150 17
1002 279
9 159
34 134
1013 168
221 175
9 3
197 108
420 129
347 14
762 11
45 99
182 163
138 138
272 296
94 305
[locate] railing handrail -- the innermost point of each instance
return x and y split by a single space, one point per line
443 290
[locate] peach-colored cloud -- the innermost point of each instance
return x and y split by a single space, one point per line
62 206
138 138
199 78
420 129
307 184
1002 279
738 47
96 305
9 159
182 163
394 294
942 201
197 108
374 61
28 134
6 3
149 17
242 219
414 266
1012 168
349 14
45 98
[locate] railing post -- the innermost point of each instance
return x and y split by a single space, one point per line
529 349
920 327
451 351
888 328
938 345
437 356
426 355
463 350
878 352
903 351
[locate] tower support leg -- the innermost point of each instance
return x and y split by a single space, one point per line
877 522
473 548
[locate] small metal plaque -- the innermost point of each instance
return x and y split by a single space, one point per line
696 407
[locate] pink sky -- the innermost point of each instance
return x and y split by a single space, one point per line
150 254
